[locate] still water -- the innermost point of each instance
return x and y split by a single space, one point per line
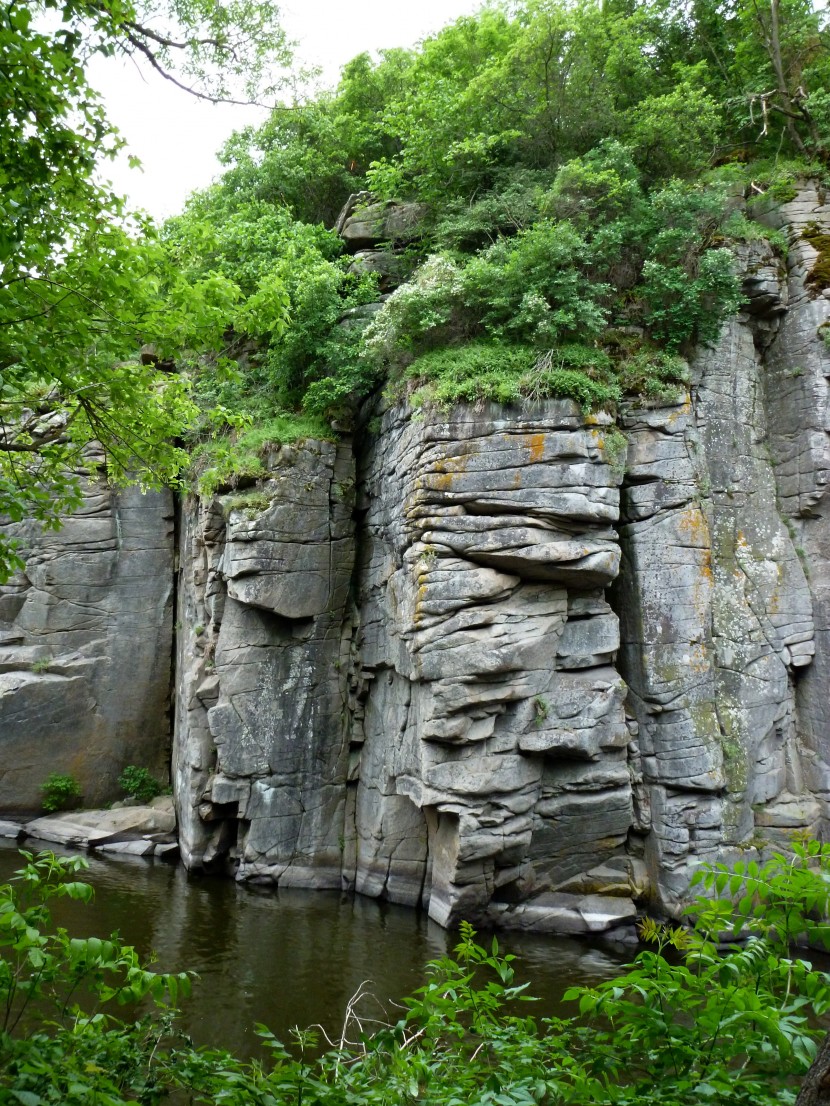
289 957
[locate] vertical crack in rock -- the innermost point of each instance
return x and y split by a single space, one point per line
796 392
723 493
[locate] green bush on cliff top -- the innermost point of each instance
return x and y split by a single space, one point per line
583 169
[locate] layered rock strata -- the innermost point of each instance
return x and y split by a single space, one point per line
452 733
262 750
490 746
514 665
797 365
86 646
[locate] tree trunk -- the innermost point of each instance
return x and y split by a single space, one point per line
771 37
815 1089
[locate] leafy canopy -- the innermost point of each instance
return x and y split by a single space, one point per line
583 169
83 284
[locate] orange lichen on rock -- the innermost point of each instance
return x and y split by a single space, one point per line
693 526
535 445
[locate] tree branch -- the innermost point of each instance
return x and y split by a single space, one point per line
146 52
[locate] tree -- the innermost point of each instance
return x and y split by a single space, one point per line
84 284
786 45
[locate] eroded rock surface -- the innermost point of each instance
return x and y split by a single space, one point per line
452 732
719 599
491 751
138 830
86 646
514 665
475 727
261 752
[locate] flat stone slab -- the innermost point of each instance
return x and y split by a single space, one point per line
10 829
129 848
98 828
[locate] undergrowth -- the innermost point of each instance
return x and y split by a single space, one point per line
719 1010
221 461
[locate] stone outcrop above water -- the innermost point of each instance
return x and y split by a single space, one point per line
517 665
440 722
490 747
86 646
261 755
547 698
133 829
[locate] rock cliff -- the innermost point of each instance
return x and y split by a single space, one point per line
522 666
86 646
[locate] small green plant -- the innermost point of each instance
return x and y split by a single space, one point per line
224 458
541 709
41 665
138 783
428 556
615 445
60 792
253 503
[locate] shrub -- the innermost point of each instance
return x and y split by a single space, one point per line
228 456
495 372
60 792
689 1021
59 1043
139 784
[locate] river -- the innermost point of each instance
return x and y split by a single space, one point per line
289 957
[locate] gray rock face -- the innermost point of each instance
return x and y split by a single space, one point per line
467 663
450 732
719 618
85 647
261 746
364 224
796 390
491 751
514 716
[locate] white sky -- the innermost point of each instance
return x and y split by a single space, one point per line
176 137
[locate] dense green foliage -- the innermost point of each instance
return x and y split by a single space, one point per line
582 167
59 792
583 170
138 782
688 1021
82 283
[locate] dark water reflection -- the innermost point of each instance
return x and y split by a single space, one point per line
289 957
